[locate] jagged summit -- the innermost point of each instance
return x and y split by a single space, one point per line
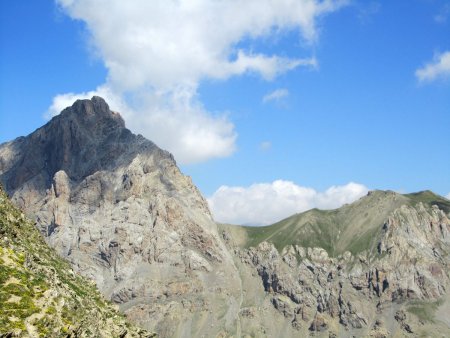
85 138
94 110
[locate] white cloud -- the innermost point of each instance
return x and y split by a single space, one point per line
266 203
157 53
448 196
438 68
276 95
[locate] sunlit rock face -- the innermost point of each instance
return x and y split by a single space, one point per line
118 208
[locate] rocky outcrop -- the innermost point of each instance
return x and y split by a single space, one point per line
117 207
359 294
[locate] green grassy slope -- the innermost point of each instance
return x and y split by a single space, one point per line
430 198
353 227
40 296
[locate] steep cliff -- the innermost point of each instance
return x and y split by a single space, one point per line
119 210
41 296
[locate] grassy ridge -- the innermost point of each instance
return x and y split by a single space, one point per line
353 227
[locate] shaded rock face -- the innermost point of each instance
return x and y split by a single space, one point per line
118 208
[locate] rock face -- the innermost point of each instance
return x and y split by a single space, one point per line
396 285
117 207
41 296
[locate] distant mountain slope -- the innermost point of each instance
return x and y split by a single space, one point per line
355 227
379 267
40 296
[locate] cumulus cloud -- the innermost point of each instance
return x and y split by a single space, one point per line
438 68
158 52
276 95
266 203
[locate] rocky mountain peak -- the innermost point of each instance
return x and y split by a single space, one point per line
120 211
95 110
83 139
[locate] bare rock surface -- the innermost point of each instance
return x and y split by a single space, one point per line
41 296
117 207
397 285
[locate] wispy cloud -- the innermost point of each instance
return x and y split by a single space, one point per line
276 95
158 52
266 203
439 68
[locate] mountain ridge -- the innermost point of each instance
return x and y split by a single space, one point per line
333 219
121 212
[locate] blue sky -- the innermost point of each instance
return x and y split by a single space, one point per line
362 91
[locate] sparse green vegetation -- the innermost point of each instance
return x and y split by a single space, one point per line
314 228
28 269
424 310
355 228
429 198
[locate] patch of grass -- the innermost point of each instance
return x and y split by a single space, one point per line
424 310
50 310
314 228
366 241
429 198
14 313
355 227
43 326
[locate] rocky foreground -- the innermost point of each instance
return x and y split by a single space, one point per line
120 211
41 296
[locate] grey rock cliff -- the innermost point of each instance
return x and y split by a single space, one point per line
41 296
117 207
